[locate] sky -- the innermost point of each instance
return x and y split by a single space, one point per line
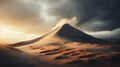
10 34
40 16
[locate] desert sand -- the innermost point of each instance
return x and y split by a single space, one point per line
64 46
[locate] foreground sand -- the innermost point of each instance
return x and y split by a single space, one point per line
74 55
84 55
12 57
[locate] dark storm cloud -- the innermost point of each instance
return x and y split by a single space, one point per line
102 17
92 15
88 11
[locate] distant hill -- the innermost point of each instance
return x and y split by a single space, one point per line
63 34
70 33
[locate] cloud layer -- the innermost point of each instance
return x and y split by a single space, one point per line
25 14
113 36
92 15
88 12
42 15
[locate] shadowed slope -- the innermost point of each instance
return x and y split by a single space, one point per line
70 33
12 57
61 35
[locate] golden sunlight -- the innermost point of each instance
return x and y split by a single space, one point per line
10 34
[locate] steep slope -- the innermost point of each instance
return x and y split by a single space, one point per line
70 33
63 34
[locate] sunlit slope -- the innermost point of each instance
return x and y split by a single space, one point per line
64 34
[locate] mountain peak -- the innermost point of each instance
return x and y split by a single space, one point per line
62 34
66 25
70 33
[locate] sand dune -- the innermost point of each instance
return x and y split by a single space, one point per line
61 35
12 57
78 56
68 47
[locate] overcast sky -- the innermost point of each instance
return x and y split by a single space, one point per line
42 15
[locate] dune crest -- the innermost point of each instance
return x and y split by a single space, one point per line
66 45
63 34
